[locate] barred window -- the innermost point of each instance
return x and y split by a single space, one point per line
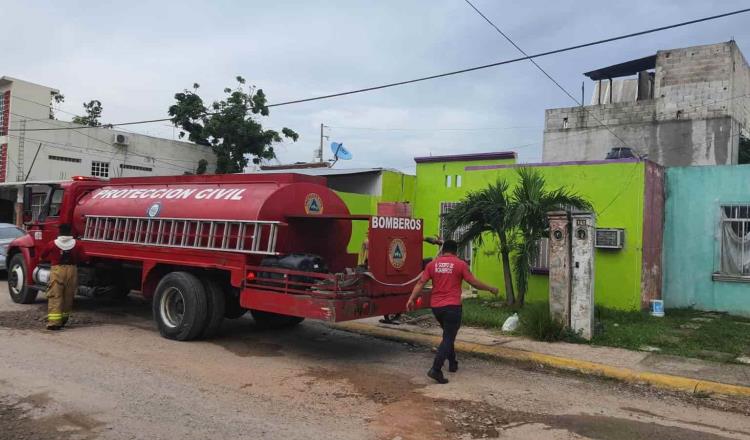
134 167
465 252
735 240
64 158
99 169
540 258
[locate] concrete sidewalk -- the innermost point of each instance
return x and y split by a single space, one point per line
672 372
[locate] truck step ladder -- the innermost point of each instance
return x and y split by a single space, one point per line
249 237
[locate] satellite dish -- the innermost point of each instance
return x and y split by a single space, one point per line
339 152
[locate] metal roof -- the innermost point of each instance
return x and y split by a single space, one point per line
327 171
623 69
467 157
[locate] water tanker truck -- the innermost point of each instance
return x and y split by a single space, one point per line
206 248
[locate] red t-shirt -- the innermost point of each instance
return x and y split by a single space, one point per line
447 272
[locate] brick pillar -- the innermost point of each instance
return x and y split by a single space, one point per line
582 282
559 267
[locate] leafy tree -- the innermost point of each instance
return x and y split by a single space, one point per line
528 214
58 98
744 150
517 218
485 212
229 126
93 111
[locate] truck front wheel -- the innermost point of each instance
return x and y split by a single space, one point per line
20 291
180 306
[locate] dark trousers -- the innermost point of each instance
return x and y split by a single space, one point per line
449 318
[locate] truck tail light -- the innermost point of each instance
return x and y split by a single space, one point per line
250 277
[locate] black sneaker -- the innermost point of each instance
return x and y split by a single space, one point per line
54 328
452 366
437 375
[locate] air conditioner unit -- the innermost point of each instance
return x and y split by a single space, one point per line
121 139
609 238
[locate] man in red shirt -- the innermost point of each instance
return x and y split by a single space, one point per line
64 253
447 273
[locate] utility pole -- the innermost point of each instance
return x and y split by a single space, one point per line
19 169
319 154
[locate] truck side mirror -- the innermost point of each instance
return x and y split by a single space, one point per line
28 212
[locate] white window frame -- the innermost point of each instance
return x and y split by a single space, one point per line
735 222
448 181
99 168
2 113
458 181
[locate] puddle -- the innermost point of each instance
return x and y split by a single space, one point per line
18 423
249 347
480 420
381 387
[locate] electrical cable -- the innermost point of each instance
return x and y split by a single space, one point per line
461 71
559 86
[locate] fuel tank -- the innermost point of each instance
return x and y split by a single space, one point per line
314 219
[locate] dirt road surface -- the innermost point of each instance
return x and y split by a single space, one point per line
111 376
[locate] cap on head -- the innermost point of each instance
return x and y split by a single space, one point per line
65 229
450 246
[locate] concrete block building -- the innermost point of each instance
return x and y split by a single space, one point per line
678 107
36 148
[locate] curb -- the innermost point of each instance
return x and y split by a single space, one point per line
666 381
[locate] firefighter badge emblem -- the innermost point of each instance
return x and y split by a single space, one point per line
153 210
313 204
397 253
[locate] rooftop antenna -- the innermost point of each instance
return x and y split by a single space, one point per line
339 152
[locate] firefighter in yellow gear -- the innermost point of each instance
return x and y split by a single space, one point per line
64 253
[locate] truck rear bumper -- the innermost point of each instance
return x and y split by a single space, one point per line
326 309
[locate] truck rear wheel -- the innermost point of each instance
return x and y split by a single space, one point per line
216 304
20 291
274 320
180 306
232 307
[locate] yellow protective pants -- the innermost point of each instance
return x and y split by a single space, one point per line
63 283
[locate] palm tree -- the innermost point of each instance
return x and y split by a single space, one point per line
482 212
530 203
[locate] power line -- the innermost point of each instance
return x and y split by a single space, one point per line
436 129
554 81
461 71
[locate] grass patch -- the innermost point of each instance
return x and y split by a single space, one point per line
486 311
682 332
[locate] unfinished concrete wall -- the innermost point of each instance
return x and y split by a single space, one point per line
695 118
674 143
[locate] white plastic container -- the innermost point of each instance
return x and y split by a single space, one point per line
657 308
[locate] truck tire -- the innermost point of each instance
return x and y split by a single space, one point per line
274 320
180 306
232 307
20 291
216 305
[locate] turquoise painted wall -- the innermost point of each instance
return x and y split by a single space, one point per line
692 240
615 189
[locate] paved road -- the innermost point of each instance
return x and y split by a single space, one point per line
111 376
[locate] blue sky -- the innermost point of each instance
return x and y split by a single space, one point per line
134 58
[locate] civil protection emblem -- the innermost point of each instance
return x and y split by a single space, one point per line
313 204
397 253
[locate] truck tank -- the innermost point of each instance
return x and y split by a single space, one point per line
313 218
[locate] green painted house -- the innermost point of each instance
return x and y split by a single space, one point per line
625 194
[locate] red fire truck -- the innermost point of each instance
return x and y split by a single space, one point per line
205 248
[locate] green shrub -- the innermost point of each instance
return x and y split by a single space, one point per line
536 323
